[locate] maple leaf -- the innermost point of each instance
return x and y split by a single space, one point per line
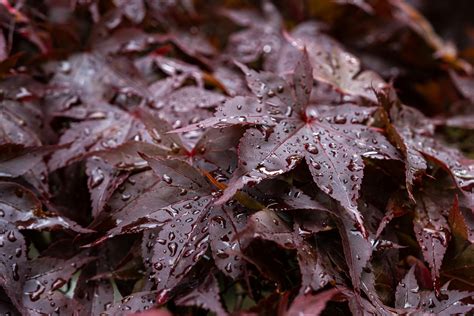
205 296
409 297
94 296
183 239
44 277
432 230
225 224
26 162
261 37
407 294
103 181
19 206
357 250
460 221
16 160
20 122
416 133
311 304
13 261
331 63
134 10
332 139
110 128
281 206
136 302
265 224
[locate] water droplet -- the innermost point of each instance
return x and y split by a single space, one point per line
220 221
158 266
23 93
292 160
431 303
175 148
228 267
2 213
166 178
327 189
188 206
19 192
15 274
161 241
267 49
36 294
311 148
11 236
58 283
415 290
352 166
265 170
340 119
172 247
97 177
97 115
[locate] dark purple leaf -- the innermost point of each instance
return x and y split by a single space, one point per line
236 157
315 133
183 238
44 279
137 302
134 10
104 179
451 303
261 37
409 298
311 304
13 262
408 291
20 122
106 129
357 249
330 62
16 160
415 132
432 232
20 207
267 225
224 225
205 296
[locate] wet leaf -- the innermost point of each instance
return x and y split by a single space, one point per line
311 304
332 140
21 207
13 262
205 296
236 157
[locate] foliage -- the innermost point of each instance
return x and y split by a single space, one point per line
236 157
